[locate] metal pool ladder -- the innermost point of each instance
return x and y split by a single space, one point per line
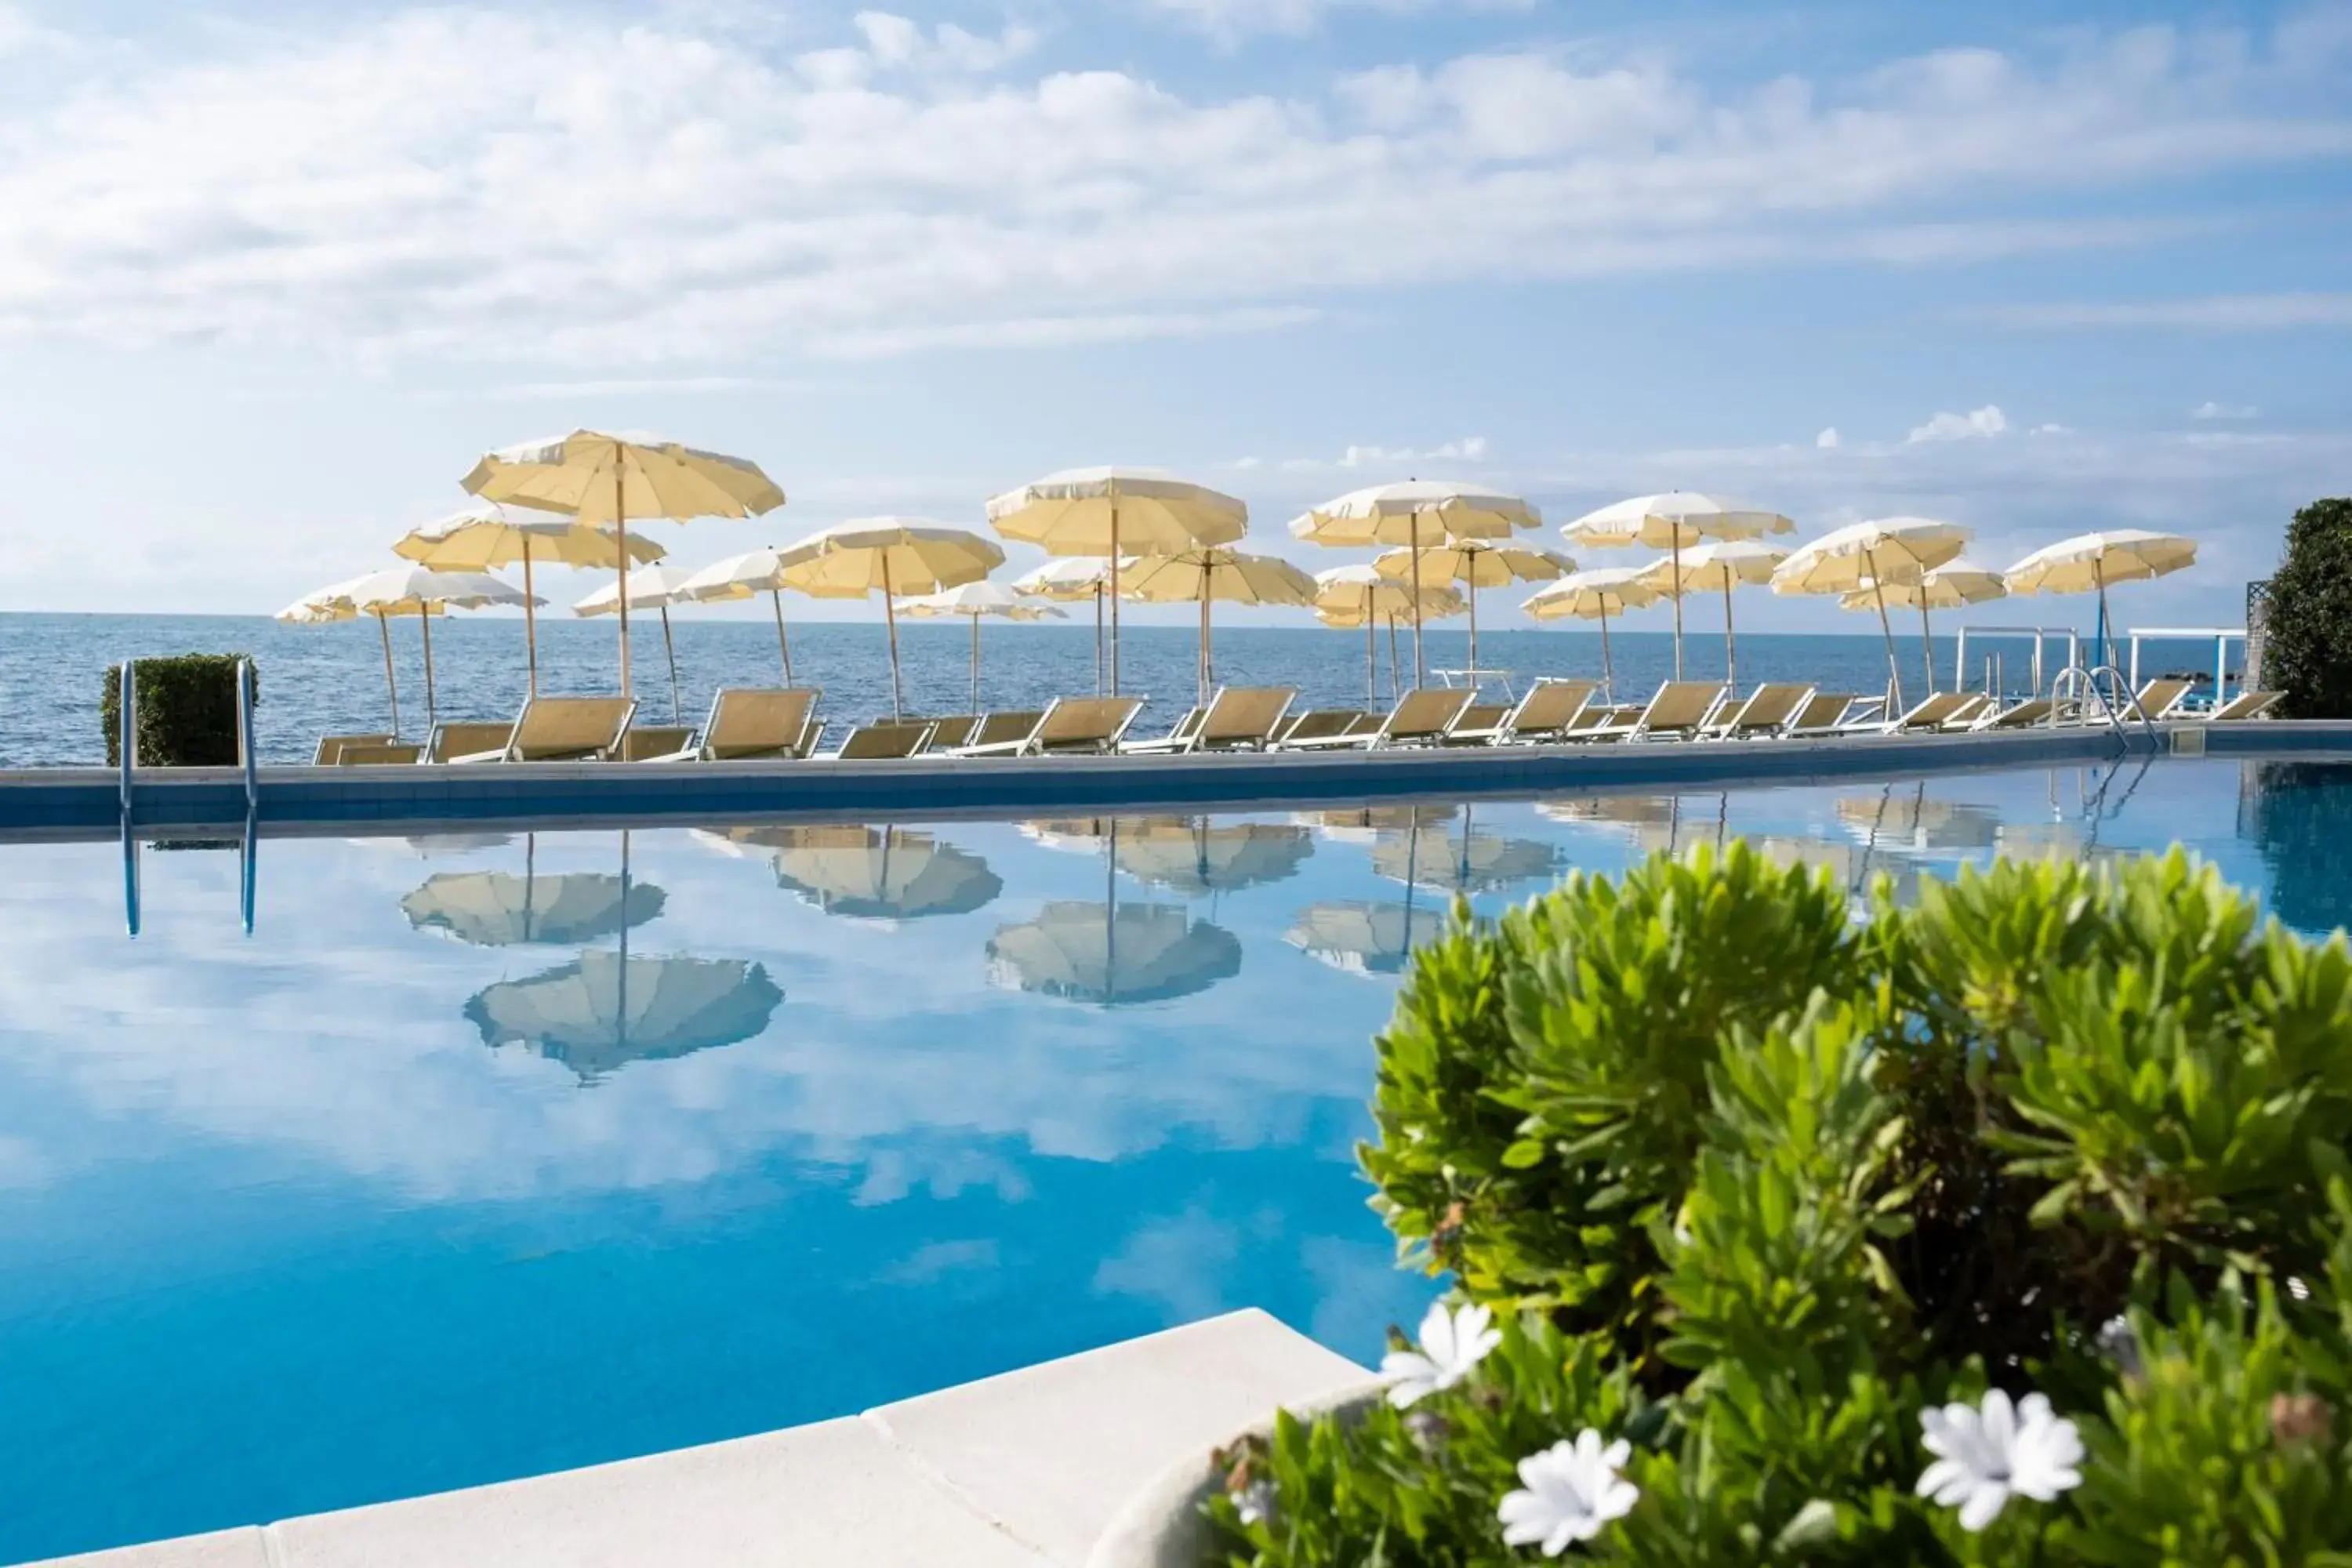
2106 686
248 762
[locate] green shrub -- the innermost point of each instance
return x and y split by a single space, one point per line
1789 1201
2307 648
187 711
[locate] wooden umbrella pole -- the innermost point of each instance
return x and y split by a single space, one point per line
783 645
1678 548
1208 581
1371 660
1608 671
1730 643
1878 592
390 682
621 533
1928 643
424 625
1419 668
1474 623
975 662
890 615
529 617
669 649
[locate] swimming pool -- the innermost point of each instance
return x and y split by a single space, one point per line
497 1154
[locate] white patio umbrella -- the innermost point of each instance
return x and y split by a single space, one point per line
2089 561
1952 585
1070 578
1718 565
743 576
1116 512
1359 595
609 479
488 535
1412 513
1474 563
1873 555
1673 522
1210 573
974 601
655 588
1594 594
403 591
889 555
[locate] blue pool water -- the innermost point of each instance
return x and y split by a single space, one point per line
425 1184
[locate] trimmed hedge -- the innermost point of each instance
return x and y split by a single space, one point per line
187 711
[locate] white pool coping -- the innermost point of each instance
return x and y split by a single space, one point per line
1022 1470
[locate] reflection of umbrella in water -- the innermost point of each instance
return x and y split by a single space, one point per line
498 909
607 1009
1094 953
1472 863
1919 822
425 845
1362 936
1195 858
888 874
1365 824
1078 835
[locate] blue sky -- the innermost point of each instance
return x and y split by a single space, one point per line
278 271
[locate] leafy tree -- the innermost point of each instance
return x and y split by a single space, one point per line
2307 648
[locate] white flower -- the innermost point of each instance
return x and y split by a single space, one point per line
1450 1344
1254 1502
1573 1489
1982 1456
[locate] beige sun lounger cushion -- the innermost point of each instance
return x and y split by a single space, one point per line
2020 716
644 744
1548 711
563 729
997 730
1679 708
1321 723
2158 699
886 741
748 722
1825 713
331 747
1072 724
1421 717
1772 709
947 734
1244 718
1930 712
377 754
2246 705
462 738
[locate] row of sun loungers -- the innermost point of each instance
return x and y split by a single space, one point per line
779 725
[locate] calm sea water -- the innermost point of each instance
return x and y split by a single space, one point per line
316 680
485 1155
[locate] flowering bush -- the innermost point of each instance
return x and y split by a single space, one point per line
2015 1228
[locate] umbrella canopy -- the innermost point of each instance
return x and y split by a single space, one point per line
404 591
655 588
1195 856
882 874
1114 514
1210 573
1073 577
2088 563
1358 596
1673 522
974 601
745 576
1717 566
1474 563
1874 554
1414 513
889 555
1362 936
497 909
1113 956
611 478
1594 595
605 1010
1955 583
488 535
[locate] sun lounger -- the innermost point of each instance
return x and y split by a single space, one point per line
657 743
2159 698
998 728
1930 712
2019 716
2246 705
563 729
1070 726
1772 709
1321 723
1823 713
464 737
377 754
1965 715
746 723
1548 712
1421 718
949 733
1237 718
1680 708
331 747
884 741
1178 738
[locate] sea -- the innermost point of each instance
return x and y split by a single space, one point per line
315 681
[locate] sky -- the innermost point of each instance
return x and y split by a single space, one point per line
275 273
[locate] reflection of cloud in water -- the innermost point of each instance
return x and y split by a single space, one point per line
498 909
1195 856
1363 936
1181 1262
605 1010
1091 952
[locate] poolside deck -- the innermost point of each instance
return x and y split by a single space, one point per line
86 803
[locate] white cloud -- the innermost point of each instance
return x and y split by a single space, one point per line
1827 440
1975 424
2051 430
653 194
2208 409
2219 313
1469 449
1230 21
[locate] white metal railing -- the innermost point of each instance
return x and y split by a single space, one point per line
2222 637
2039 635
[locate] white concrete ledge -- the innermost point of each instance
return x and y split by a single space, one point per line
1019 1471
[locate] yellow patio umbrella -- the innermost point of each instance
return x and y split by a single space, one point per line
973 601
1718 565
1116 512
610 479
745 576
655 588
1673 522
1951 586
2089 561
1594 594
1070 578
402 591
1412 513
1874 554
1474 563
489 535
1358 596
889 555
1209 573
